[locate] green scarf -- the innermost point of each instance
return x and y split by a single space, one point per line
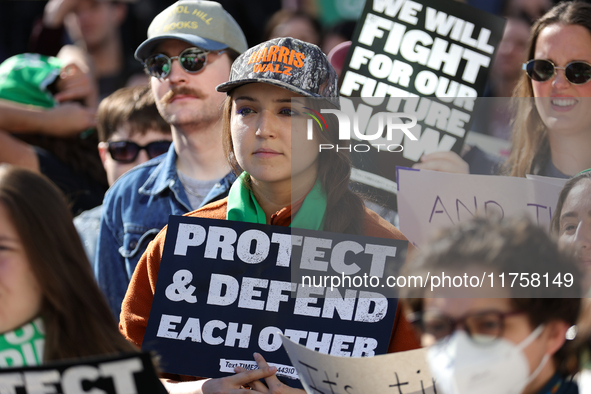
243 206
23 346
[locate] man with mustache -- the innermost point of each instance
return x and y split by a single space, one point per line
189 51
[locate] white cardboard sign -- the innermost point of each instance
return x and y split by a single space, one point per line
431 200
402 372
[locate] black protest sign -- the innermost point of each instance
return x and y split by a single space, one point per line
227 289
123 374
425 61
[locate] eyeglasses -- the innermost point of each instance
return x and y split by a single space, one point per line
127 151
541 70
482 327
192 60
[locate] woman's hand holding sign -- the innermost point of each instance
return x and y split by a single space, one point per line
242 383
236 384
273 385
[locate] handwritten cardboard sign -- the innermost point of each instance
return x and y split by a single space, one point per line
429 59
431 200
402 372
227 289
124 374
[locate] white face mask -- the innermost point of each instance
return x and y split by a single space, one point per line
459 365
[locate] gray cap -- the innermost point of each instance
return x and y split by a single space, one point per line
289 63
204 24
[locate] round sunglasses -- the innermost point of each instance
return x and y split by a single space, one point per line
127 151
541 70
192 60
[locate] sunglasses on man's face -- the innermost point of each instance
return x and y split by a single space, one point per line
127 151
192 60
541 70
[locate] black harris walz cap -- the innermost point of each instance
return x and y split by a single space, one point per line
289 63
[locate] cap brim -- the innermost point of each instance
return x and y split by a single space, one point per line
146 48
227 86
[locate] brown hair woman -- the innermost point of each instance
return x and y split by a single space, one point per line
552 131
45 275
284 178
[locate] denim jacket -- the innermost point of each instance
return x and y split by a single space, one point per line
136 208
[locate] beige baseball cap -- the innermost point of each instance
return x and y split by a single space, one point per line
204 24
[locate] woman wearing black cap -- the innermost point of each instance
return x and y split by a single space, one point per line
284 179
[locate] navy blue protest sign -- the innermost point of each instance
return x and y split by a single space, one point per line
121 374
426 62
227 289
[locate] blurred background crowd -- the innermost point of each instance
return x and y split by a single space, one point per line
77 107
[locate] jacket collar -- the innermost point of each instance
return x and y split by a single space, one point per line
164 176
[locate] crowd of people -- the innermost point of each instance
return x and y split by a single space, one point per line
204 134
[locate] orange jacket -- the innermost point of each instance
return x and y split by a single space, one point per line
136 306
